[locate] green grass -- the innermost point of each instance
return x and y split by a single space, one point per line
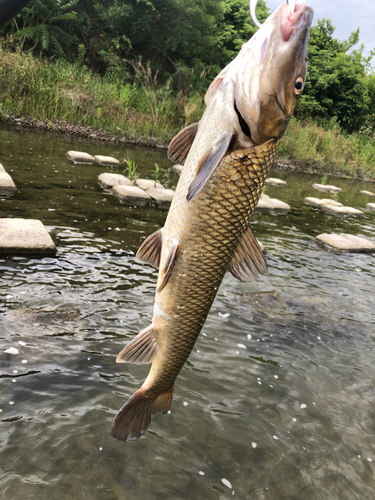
58 90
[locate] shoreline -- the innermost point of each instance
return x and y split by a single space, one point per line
89 134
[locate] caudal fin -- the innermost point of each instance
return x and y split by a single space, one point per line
133 418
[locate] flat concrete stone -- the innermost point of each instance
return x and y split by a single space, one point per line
131 195
177 168
108 180
80 157
25 236
272 181
6 182
148 184
2 169
345 243
342 211
162 197
368 193
327 188
106 160
316 202
273 204
370 206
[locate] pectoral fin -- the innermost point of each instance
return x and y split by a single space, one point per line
209 163
150 250
180 145
142 349
248 262
168 268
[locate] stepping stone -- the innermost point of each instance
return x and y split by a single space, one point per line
272 181
327 188
342 211
107 180
2 169
345 243
162 197
148 184
6 183
368 193
131 195
316 202
267 203
108 161
370 206
177 168
25 236
80 158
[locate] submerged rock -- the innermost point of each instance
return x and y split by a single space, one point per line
108 180
25 236
46 316
106 160
342 211
272 181
147 184
273 204
316 202
368 193
270 304
345 243
162 197
80 157
131 195
327 188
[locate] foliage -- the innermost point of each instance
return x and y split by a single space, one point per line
131 169
38 27
338 85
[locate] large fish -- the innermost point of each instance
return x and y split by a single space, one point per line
226 159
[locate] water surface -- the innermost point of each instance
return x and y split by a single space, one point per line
277 398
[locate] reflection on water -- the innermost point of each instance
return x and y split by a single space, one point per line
277 398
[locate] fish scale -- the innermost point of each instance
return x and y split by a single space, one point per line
214 230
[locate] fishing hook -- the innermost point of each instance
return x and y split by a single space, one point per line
252 7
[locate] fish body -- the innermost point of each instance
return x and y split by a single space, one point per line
226 160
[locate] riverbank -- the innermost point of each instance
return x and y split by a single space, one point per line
68 99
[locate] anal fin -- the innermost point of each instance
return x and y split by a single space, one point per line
150 250
248 261
134 417
209 163
168 267
180 145
142 349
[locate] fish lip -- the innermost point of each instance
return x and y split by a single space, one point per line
292 25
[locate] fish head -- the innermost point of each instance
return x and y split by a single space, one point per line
269 75
273 79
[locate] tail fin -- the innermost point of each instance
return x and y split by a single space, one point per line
133 418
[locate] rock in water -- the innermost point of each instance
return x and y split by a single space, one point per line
345 243
80 157
327 188
108 181
25 236
131 195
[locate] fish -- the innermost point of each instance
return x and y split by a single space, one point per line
226 158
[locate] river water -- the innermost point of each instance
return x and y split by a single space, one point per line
277 399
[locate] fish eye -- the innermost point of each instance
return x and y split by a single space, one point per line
298 85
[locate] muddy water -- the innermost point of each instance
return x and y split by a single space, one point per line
277 398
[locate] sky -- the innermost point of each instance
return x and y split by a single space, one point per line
346 16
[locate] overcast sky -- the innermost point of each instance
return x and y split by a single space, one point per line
346 16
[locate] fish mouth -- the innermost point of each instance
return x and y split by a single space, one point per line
293 22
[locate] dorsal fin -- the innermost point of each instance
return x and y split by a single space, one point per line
168 267
209 163
150 250
248 261
142 349
180 145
